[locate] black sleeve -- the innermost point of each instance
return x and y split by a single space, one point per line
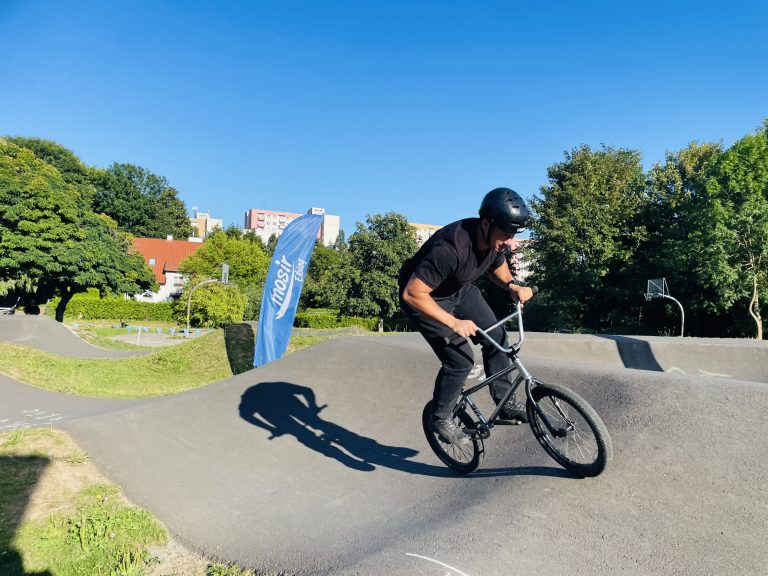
437 265
498 261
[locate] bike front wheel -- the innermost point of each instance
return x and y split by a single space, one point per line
462 459
573 433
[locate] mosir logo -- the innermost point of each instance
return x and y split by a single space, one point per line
282 291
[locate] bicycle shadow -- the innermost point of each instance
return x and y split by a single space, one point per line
286 409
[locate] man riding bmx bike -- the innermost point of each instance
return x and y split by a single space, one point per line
438 296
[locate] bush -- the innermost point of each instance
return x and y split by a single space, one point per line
213 305
325 318
89 307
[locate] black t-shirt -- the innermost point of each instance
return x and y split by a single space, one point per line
450 259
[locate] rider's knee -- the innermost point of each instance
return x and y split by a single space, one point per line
458 367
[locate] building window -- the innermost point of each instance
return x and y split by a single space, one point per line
152 262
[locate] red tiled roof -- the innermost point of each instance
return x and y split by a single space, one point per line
167 254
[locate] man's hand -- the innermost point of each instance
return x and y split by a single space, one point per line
464 328
521 293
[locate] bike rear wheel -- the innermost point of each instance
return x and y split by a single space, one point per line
580 442
462 459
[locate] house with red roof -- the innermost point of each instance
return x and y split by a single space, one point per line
163 258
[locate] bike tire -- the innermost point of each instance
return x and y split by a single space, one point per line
462 459
586 448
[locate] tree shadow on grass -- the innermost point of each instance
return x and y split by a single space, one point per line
283 408
18 477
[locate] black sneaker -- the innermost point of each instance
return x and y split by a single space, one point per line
449 431
514 411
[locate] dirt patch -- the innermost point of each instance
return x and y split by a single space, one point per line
67 473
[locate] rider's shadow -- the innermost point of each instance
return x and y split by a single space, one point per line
283 409
289 409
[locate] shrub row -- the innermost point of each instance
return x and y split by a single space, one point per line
87 308
323 318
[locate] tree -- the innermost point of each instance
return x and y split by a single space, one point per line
587 228
71 168
677 207
378 250
329 278
51 243
732 233
141 202
248 265
212 305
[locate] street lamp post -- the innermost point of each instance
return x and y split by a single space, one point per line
224 280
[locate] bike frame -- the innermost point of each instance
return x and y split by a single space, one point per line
522 376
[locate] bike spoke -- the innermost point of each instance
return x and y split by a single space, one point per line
578 444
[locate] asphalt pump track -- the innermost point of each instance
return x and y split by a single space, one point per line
317 464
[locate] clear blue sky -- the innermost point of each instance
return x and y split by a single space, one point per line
418 107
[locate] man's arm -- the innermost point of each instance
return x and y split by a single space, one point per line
417 294
503 277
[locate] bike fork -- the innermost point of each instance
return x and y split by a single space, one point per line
556 432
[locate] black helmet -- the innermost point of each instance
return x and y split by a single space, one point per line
505 209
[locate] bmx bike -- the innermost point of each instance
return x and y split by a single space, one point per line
565 425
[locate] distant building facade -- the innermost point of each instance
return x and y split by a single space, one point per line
424 231
265 223
519 261
163 258
203 224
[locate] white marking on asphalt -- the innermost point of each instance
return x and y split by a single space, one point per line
714 374
443 564
476 372
16 426
702 373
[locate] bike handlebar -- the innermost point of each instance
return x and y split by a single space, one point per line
456 339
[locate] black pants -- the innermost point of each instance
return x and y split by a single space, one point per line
458 360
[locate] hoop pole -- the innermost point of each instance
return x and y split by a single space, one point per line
189 300
682 313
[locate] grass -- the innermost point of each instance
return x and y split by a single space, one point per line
100 536
85 528
103 334
166 371
92 530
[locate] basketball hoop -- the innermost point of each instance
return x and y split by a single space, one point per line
657 288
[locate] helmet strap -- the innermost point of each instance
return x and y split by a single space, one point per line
487 235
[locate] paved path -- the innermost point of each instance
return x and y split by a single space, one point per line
244 470
46 334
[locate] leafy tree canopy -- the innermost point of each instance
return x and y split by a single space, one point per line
51 243
141 202
329 278
72 170
587 228
732 233
378 250
248 262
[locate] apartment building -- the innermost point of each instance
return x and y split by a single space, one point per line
204 224
265 223
424 231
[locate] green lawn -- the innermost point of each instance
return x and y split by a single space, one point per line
165 371
79 525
